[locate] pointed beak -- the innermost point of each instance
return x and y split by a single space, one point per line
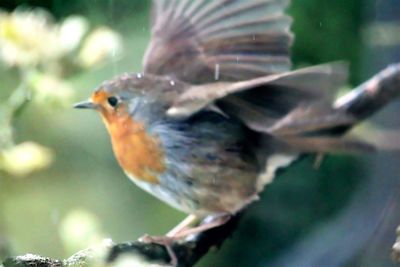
85 105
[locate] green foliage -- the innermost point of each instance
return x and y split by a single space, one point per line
328 31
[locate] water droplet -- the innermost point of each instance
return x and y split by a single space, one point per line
124 77
216 74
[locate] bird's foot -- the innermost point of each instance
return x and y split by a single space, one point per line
165 241
182 231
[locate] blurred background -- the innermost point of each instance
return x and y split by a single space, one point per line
61 189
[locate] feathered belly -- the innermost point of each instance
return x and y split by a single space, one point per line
213 190
210 166
174 194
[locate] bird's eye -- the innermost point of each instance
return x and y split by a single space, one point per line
113 101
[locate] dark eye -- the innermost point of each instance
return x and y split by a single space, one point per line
113 101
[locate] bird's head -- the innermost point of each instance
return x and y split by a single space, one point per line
128 94
126 104
112 99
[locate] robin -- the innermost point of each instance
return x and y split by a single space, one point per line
217 110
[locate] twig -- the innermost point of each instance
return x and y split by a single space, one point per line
10 109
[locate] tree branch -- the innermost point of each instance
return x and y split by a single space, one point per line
361 102
188 251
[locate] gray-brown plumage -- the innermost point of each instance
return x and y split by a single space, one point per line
195 41
218 111
235 57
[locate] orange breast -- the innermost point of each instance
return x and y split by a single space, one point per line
138 153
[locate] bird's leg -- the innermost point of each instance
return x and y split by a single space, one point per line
169 238
182 225
183 230
209 223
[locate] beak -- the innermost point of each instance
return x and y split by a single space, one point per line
85 105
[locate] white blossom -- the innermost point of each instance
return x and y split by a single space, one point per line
23 159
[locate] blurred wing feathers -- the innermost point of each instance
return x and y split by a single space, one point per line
226 40
329 145
234 57
311 119
269 97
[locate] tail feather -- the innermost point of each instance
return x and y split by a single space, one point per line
323 130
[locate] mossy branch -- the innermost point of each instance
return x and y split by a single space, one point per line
188 252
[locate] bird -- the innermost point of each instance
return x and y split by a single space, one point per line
218 110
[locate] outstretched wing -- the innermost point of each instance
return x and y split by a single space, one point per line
265 99
227 40
234 57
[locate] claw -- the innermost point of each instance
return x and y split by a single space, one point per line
165 241
182 231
